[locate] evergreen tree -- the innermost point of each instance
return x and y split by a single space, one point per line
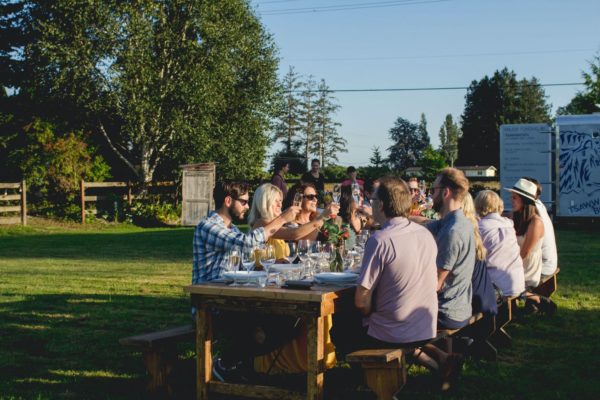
308 116
287 128
491 102
449 135
328 142
587 101
408 144
376 159
423 130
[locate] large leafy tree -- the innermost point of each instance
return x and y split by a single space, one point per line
162 82
409 143
328 142
491 102
587 101
449 135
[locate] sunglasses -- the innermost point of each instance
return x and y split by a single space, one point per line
242 202
310 197
414 190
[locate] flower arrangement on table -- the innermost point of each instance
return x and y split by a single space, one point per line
333 233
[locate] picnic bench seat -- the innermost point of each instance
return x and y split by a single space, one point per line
160 355
506 310
548 284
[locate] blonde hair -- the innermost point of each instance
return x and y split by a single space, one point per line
488 202
469 211
262 203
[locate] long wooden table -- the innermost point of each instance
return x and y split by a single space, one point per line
310 305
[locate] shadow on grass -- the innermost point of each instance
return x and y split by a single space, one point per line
172 245
66 346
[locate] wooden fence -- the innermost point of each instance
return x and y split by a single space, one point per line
19 190
125 187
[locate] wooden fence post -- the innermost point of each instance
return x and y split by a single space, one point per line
82 201
129 193
23 203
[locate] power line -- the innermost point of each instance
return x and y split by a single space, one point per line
346 7
345 59
421 89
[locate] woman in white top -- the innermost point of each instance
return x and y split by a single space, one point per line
503 260
530 235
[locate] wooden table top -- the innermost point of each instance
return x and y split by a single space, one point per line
317 293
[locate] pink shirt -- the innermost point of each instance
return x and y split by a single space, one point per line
399 267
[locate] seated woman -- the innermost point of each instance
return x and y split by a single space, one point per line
310 200
291 357
529 228
349 214
504 262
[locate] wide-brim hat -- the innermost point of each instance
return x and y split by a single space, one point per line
525 188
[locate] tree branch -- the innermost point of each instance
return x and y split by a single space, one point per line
117 152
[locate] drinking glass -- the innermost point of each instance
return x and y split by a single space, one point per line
356 192
291 257
336 194
233 264
248 260
348 260
267 257
298 199
304 250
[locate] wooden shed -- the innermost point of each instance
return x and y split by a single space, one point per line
197 188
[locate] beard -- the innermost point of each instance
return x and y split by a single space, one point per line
236 216
438 202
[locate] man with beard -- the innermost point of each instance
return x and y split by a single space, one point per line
245 334
216 235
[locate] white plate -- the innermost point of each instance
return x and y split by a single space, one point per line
335 277
285 267
243 276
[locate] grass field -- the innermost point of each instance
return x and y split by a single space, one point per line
67 294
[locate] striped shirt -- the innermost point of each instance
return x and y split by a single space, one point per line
212 242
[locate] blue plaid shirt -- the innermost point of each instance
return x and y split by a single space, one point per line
212 242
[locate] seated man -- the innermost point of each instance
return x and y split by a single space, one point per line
214 237
398 282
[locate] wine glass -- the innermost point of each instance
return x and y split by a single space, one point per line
233 263
304 250
298 199
248 261
293 252
267 257
336 193
356 192
348 260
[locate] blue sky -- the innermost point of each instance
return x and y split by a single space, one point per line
428 43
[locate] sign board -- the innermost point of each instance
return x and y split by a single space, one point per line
526 150
578 165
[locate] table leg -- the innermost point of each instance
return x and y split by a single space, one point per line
203 352
316 350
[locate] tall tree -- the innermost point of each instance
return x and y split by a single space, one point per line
167 81
423 133
491 102
376 159
588 100
308 116
328 142
449 135
287 127
408 144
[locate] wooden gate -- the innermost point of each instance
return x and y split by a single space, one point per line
197 188
18 193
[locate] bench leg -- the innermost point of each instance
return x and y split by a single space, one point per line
387 379
481 346
159 364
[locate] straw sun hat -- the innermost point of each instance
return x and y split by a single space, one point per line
525 188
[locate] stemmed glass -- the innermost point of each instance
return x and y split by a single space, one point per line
298 199
356 192
267 257
336 193
248 261
233 263
304 250
293 252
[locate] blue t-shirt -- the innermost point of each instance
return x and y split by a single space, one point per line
456 253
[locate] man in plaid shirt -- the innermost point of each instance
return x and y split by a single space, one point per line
216 235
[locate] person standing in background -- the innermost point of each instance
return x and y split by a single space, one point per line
278 179
314 176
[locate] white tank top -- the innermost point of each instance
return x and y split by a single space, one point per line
532 263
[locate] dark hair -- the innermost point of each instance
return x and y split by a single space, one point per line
231 189
314 160
280 163
538 192
297 188
523 218
346 202
350 169
455 180
395 197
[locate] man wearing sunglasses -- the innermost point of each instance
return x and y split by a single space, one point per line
217 234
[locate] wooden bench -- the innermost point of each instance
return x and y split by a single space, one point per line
385 370
506 310
548 285
160 355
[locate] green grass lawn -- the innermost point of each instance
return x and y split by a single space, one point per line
67 294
